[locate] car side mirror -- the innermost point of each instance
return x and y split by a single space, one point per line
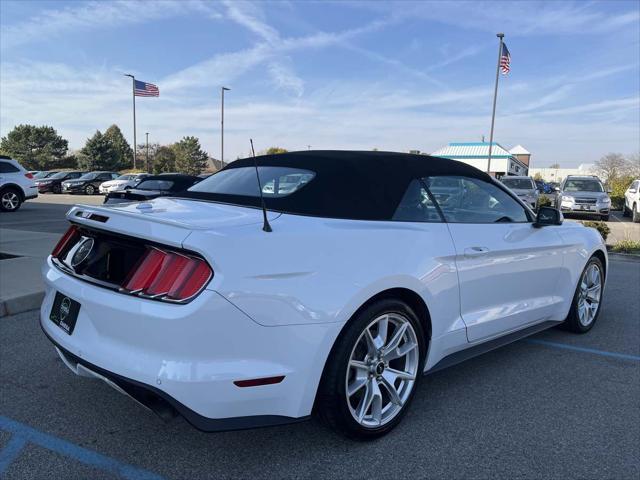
556 189
128 187
633 190
548 216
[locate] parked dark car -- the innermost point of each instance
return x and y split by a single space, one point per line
44 174
153 187
88 183
54 182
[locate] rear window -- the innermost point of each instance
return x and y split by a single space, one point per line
6 167
518 183
276 181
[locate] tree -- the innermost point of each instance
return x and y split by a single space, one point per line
613 166
99 153
538 176
34 147
275 150
124 153
190 158
141 153
555 165
164 160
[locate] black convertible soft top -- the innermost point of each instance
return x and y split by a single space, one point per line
347 184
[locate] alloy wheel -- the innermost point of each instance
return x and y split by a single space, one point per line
382 370
589 294
10 200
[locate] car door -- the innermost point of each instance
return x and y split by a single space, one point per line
630 193
507 269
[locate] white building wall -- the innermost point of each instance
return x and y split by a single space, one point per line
558 174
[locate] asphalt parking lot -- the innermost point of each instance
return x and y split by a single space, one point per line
557 405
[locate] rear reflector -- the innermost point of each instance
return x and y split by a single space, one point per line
70 235
256 382
168 276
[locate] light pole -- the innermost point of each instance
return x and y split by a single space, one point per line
222 90
147 134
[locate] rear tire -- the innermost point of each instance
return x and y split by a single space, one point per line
625 211
370 379
10 200
57 189
587 299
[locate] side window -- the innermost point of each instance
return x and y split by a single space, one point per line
6 167
470 200
74 175
634 185
416 205
104 176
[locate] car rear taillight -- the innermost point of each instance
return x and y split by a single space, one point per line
166 275
70 236
29 175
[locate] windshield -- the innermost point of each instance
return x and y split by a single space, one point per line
583 186
276 181
88 176
124 177
518 183
155 185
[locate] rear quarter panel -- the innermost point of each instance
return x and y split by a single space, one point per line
315 270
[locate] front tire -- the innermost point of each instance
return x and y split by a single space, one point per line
605 218
10 200
371 375
57 189
587 299
635 213
89 190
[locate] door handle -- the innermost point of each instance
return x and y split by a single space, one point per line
475 251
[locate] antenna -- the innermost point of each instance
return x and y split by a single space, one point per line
265 226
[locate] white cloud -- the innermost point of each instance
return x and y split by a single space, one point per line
91 15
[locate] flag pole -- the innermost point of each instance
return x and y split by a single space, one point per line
133 93
495 96
222 90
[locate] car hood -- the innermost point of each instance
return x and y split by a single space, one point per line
524 191
179 212
596 195
114 183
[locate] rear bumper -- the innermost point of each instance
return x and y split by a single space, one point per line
162 404
189 356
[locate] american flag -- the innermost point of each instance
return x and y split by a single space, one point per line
143 89
505 60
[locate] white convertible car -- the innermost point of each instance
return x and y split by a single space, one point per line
333 294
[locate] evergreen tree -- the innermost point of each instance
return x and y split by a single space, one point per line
124 153
190 158
164 160
99 153
36 148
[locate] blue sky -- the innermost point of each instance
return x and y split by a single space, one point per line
348 75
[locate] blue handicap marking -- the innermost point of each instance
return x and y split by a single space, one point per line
575 348
22 434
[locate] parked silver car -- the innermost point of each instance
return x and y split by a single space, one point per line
523 187
585 195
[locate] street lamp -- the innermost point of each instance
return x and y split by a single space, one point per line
222 90
148 169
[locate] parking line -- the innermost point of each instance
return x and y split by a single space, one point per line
23 434
604 353
10 452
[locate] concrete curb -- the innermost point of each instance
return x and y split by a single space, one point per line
23 303
626 257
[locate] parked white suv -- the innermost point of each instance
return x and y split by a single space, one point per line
16 185
632 201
